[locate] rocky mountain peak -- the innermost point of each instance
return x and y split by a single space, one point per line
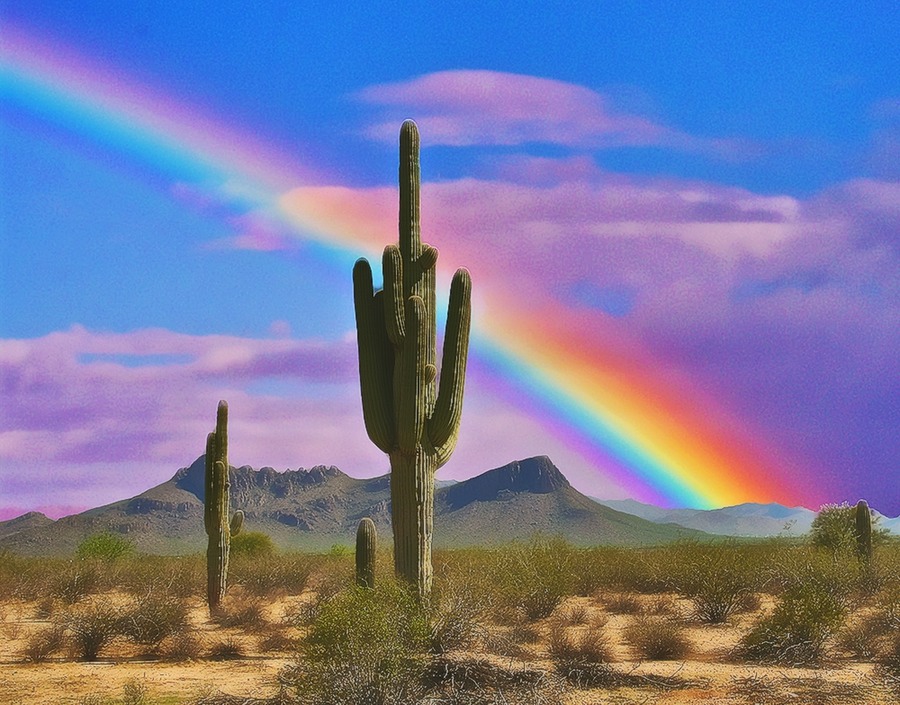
536 475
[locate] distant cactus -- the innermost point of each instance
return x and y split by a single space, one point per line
216 510
407 414
863 531
366 543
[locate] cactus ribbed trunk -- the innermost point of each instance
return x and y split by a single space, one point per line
216 510
412 516
409 414
366 546
863 531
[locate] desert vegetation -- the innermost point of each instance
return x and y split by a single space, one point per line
531 622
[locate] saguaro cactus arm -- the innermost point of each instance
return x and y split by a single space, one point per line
375 359
237 523
443 427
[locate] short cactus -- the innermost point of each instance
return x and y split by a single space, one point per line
366 543
216 510
863 531
407 413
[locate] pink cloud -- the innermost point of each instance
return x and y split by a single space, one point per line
81 396
477 107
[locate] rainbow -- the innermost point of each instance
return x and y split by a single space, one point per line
662 442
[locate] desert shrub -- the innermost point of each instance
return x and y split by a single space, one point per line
92 628
135 692
76 581
227 650
483 682
862 637
802 566
574 614
45 608
524 632
44 643
366 646
796 632
252 544
578 646
177 576
536 576
889 664
622 603
889 605
242 612
716 578
105 546
834 529
274 639
658 639
454 617
13 570
267 576
153 618
181 646
663 605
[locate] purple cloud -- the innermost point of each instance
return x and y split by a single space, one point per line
480 107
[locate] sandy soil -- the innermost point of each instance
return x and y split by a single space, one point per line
709 676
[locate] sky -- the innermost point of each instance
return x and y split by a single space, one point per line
682 222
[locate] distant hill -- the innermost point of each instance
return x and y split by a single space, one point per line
317 508
750 519
532 496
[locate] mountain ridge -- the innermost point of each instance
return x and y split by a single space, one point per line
312 509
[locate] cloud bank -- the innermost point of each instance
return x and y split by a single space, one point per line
479 107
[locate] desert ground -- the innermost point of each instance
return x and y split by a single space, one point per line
561 631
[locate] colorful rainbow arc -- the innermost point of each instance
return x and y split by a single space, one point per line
619 417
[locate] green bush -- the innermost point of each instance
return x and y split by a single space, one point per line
105 546
365 647
253 544
536 576
795 634
716 578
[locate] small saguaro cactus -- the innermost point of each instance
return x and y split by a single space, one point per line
407 414
216 510
863 531
366 543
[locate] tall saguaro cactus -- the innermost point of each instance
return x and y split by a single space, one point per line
407 413
863 521
366 545
216 510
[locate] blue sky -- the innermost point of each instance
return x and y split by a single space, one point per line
747 246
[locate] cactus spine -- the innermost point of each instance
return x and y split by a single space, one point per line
216 510
863 531
407 414
366 543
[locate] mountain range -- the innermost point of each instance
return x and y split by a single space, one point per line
315 509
